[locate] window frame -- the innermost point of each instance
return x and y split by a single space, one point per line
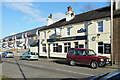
101 45
68 31
98 27
66 46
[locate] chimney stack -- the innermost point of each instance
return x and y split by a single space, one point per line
50 16
49 20
69 8
69 14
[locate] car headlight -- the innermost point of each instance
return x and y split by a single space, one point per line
101 59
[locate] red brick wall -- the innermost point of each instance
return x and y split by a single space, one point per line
116 39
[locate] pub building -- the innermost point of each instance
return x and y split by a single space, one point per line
90 30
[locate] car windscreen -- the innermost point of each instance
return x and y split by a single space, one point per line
10 52
33 53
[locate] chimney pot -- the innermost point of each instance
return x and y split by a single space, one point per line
69 8
50 16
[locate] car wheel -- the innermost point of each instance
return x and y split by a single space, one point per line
72 62
94 64
102 64
20 58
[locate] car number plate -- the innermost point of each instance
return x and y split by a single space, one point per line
35 57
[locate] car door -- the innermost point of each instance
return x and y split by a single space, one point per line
69 54
80 56
76 56
24 56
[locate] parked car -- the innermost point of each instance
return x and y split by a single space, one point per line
7 54
86 56
1 59
29 56
106 76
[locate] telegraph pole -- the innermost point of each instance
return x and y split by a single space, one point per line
111 25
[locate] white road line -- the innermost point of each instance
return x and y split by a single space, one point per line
74 72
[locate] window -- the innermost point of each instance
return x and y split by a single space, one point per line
44 47
70 52
81 46
100 26
55 47
66 47
68 31
34 37
45 35
76 44
100 47
79 52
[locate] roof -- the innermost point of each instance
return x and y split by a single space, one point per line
90 15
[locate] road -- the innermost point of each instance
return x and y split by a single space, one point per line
44 68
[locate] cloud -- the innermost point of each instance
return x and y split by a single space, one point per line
32 14
28 9
58 16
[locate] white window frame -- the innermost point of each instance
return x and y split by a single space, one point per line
98 27
44 34
68 31
67 46
101 46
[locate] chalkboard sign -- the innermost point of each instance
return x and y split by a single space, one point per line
107 48
59 48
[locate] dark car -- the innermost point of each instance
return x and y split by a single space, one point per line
7 54
106 76
86 56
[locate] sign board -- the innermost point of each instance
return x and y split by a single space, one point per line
58 31
107 48
81 30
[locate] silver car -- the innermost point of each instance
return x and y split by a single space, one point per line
7 54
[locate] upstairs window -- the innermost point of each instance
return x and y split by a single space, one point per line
68 31
100 26
44 35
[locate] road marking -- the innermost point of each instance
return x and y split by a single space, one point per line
74 72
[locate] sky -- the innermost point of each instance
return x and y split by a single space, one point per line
22 16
